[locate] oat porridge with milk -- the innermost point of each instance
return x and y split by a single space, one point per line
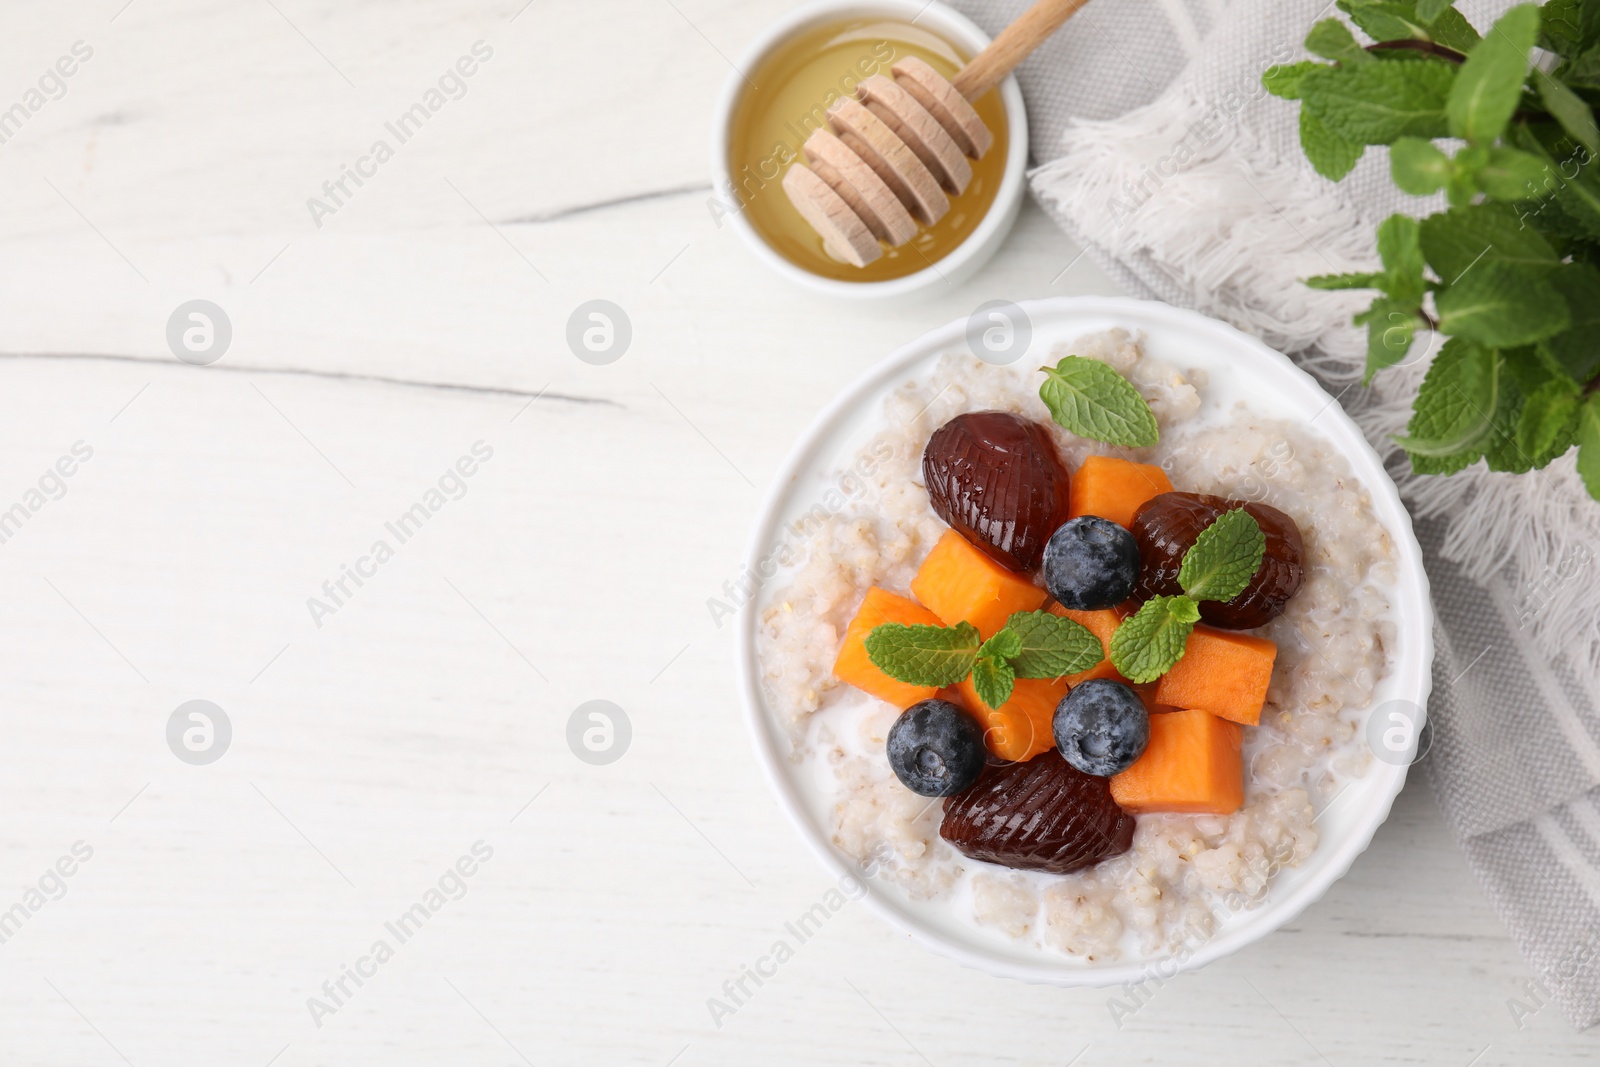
1088 693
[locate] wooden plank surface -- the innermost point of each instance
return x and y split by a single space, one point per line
429 711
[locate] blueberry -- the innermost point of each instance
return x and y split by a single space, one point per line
1101 727
1091 563
936 749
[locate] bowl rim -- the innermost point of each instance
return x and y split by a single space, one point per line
1414 674
979 244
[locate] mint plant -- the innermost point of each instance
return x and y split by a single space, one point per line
1510 272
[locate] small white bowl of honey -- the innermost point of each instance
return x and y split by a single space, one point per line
789 85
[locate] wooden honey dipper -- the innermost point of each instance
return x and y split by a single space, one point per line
898 149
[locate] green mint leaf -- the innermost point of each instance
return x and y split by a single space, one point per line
993 679
1500 451
1569 109
1456 240
1559 27
1223 559
1329 154
923 655
1378 103
1501 306
1454 409
1510 174
1003 645
1577 349
1589 445
1582 69
1400 249
1332 39
1548 422
1052 645
1147 644
1401 21
1345 281
1092 400
1418 167
1489 85
1428 11
1391 327
1283 80
1571 191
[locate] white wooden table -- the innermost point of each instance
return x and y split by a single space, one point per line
429 711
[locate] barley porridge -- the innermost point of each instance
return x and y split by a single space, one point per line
1183 871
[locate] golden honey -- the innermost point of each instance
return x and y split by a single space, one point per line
787 97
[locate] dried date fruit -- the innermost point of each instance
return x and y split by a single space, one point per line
995 477
1166 526
1042 815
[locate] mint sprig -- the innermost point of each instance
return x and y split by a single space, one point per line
1218 566
1092 400
1505 273
1032 644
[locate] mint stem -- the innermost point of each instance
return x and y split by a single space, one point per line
1413 45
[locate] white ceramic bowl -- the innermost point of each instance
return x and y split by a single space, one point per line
966 257
1186 340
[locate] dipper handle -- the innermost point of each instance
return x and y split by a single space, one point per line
990 67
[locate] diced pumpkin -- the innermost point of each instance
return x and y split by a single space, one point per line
1223 672
1114 488
1021 728
1102 624
855 667
957 582
1192 764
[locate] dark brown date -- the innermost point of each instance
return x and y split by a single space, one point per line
1166 526
996 478
1042 815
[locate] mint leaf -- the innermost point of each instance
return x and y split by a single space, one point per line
1548 422
1454 409
1329 154
1418 167
1501 306
1377 103
1147 644
1572 190
1223 559
1283 80
1559 27
1003 645
1345 281
1052 646
1332 39
1456 240
1577 349
1400 249
1489 85
1391 327
922 654
1428 11
993 679
1401 21
1589 445
1569 109
1092 400
1510 174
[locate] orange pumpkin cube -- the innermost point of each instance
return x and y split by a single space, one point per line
959 583
1021 728
1223 672
1193 764
855 667
1114 488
